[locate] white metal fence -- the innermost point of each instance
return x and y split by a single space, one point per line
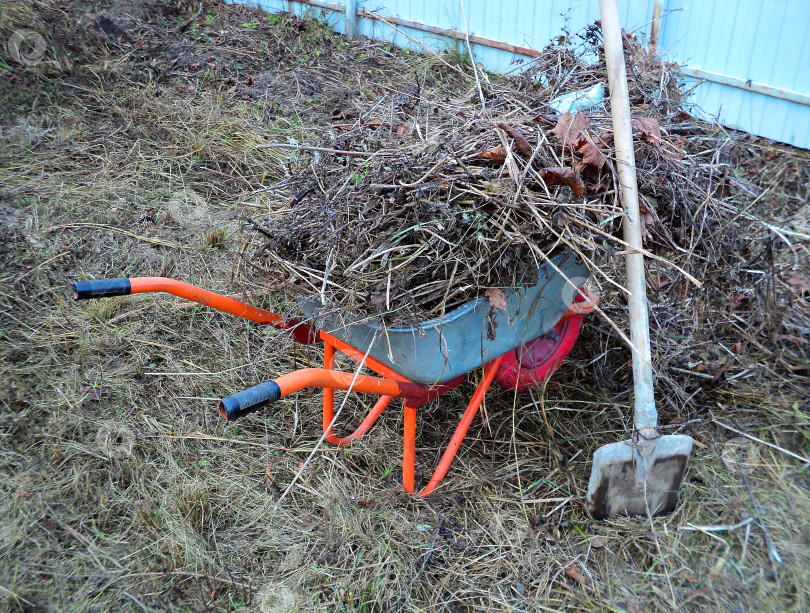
751 58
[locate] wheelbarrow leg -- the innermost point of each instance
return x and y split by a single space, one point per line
408 448
409 438
329 407
364 426
328 394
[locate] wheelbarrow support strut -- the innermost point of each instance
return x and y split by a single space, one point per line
409 438
389 386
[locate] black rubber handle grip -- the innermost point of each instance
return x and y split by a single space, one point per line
83 290
253 399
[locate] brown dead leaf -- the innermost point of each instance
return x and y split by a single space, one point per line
738 299
663 281
93 393
573 573
497 298
598 541
590 153
563 176
520 140
647 221
650 130
571 129
605 138
269 474
676 150
801 285
723 189
497 154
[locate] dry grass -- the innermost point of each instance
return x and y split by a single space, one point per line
122 490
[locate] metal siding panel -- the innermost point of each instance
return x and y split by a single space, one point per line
761 40
399 8
270 6
764 115
748 39
495 21
780 31
801 77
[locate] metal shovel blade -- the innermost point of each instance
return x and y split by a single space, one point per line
635 478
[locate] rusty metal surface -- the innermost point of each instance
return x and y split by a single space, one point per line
637 478
330 6
747 85
655 26
451 33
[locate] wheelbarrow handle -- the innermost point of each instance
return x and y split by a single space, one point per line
83 290
103 288
250 400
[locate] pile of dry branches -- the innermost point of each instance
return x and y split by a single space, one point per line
424 200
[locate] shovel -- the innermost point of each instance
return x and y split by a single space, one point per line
641 476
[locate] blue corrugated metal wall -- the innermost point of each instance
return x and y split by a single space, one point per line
761 41
758 45
520 22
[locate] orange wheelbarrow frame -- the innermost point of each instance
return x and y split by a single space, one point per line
388 385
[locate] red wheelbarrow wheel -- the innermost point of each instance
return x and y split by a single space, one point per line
530 365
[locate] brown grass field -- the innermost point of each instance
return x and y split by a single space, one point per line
129 150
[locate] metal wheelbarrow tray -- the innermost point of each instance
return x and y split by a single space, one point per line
473 334
417 364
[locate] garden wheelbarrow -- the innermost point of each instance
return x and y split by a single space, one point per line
519 346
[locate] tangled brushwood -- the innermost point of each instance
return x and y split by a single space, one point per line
428 198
